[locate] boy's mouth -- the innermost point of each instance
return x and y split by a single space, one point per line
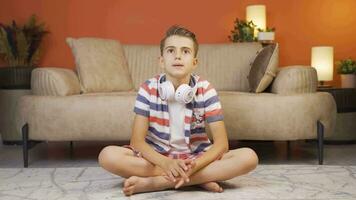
177 65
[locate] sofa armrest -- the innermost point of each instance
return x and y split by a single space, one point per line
52 81
295 80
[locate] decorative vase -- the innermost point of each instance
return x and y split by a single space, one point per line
265 36
348 80
15 77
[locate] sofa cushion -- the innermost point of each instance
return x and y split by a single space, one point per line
263 68
101 65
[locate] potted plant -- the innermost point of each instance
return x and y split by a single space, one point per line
20 49
347 70
266 35
243 31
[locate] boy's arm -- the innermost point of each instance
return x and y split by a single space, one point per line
218 148
140 127
214 119
169 166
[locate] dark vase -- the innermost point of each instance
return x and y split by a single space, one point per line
15 77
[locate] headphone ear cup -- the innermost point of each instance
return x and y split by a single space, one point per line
166 90
184 94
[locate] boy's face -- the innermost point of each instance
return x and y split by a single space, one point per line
178 59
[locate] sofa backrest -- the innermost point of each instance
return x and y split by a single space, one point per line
225 66
142 62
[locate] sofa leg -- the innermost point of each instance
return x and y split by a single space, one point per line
288 150
25 145
320 129
71 149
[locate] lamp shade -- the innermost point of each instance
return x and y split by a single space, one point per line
257 14
322 59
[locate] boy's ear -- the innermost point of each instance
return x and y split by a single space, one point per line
195 62
160 62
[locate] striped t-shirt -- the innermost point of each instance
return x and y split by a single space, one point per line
205 107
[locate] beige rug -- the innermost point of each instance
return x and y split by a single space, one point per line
266 182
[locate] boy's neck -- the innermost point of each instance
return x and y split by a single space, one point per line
178 81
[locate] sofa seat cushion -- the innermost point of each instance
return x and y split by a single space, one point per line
263 68
249 116
101 65
268 116
78 117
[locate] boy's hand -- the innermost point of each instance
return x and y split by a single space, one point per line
174 168
191 164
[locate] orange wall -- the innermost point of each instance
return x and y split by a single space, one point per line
300 24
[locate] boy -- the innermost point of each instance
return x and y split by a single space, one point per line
169 147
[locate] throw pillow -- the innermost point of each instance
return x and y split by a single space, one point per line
101 65
263 68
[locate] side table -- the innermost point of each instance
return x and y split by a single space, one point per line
345 129
8 115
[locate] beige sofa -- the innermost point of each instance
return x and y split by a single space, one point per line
61 109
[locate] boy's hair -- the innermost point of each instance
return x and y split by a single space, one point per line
180 31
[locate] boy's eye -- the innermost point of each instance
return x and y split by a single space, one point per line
186 51
170 50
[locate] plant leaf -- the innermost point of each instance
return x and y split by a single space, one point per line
22 48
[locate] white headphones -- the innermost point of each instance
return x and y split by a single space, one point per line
184 93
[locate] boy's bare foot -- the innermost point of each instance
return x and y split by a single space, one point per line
136 184
212 186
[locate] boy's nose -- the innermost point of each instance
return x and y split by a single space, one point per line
178 55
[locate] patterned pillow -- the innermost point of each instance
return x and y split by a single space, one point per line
101 65
263 68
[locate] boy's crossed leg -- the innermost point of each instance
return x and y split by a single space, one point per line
123 162
143 176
